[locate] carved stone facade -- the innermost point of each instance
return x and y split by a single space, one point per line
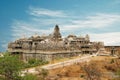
53 46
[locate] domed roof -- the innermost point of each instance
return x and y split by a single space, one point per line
71 35
36 35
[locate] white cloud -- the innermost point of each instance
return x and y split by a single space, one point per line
20 28
111 38
40 25
50 21
46 12
95 21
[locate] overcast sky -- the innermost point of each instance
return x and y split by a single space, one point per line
98 18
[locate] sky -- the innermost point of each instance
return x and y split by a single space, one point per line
98 18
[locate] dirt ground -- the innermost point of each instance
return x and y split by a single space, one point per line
75 72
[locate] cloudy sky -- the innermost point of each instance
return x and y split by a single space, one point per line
98 18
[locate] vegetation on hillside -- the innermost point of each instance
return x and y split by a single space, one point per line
107 68
92 71
11 67
35 62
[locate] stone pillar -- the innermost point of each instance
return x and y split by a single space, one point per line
113 51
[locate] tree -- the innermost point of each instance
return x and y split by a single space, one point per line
92 71
118 55
117 63
43 73
10 67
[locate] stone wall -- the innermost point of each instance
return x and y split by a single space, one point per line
116 48
48 57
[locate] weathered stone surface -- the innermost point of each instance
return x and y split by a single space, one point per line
53 46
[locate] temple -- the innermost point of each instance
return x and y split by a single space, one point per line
53 46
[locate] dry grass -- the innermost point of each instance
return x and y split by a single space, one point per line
75 72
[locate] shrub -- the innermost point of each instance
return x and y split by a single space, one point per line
112 61
35 62
30 77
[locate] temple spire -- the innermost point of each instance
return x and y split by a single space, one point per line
56 33
87 37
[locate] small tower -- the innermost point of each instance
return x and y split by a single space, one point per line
87 37
113 51
56 33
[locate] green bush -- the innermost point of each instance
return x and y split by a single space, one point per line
10 66
32 61
112 61
35 62
82 76
30 77
118 72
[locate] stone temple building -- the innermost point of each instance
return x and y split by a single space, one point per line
53 46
